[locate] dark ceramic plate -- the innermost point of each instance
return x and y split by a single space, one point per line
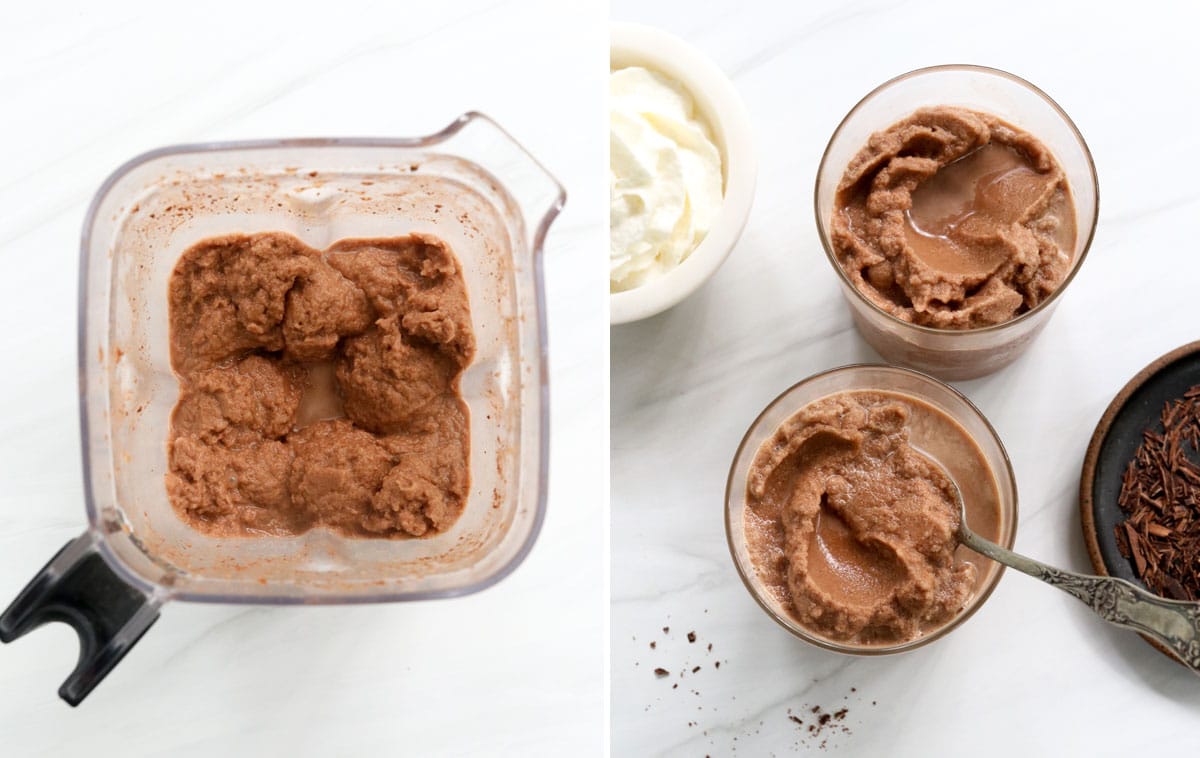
1137 407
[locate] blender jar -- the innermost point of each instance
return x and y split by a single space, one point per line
473 186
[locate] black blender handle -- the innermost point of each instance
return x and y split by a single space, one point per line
79 588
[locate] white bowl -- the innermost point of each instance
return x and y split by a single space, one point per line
721 106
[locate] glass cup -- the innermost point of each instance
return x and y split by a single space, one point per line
880 378
945 353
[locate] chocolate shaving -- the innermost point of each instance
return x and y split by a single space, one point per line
1175 590
1160 495
1135 548
1158 530
661 672
691 636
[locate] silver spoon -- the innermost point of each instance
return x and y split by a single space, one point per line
1173 623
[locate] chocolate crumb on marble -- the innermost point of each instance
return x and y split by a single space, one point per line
824 726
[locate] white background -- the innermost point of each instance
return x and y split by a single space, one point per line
1033 673
516 670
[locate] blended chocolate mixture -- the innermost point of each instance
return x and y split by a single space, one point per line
954 219
853 529
319 388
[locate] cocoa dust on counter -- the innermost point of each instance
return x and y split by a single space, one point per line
660 672
688 667
816 725
1160 493
818 722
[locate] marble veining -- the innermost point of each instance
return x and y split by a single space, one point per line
516 670
1033 672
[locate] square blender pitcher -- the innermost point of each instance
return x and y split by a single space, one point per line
471 185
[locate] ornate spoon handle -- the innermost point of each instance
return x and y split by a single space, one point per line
1174 623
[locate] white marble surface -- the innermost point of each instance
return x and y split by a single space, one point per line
1033 672
516 670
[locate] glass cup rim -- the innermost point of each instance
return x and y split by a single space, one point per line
794 627
1045 305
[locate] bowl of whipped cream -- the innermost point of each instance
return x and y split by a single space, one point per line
682 170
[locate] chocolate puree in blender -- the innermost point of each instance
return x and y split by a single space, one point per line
319 388
852 528
954 219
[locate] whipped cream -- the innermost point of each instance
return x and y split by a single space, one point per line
665 186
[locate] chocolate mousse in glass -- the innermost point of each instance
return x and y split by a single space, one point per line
956 203
840 515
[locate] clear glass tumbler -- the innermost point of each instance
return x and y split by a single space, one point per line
957 354
891 379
